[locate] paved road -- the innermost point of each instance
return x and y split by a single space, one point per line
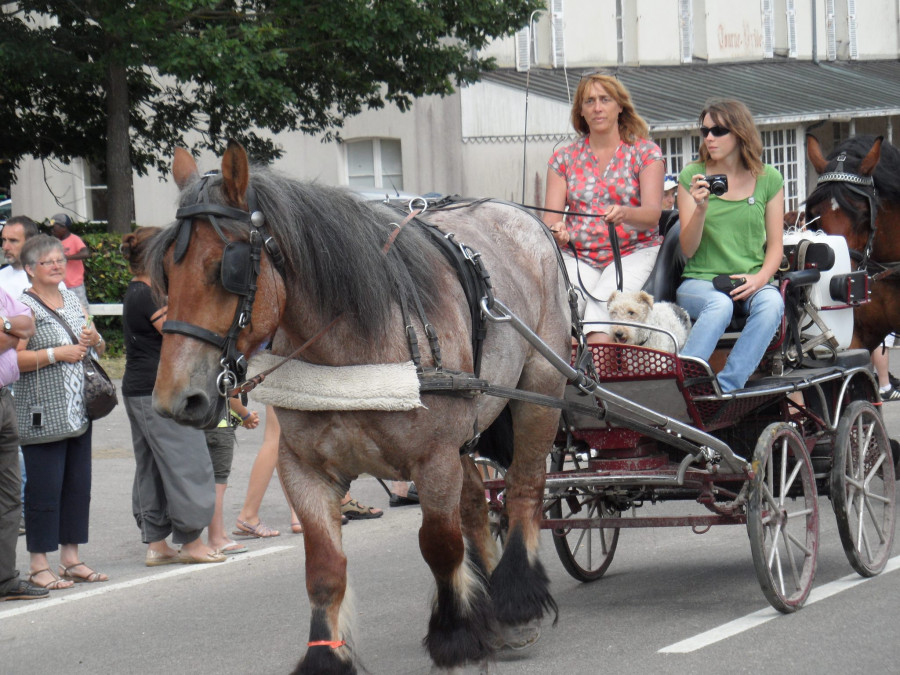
250 614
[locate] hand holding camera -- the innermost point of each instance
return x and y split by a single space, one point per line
717 183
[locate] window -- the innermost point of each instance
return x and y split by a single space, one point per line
780 150
375 163
95 193
672 153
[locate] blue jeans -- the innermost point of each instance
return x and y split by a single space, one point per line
713 311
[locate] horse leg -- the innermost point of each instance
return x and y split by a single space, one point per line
461 628
482 548
317 502
519 585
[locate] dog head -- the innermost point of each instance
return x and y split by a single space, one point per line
633 306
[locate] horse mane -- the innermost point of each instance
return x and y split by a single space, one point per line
332 243
886 176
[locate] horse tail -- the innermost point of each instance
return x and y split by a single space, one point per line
496 442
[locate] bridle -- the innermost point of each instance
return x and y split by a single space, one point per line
862 186
240 268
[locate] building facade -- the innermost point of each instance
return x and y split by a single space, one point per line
827 67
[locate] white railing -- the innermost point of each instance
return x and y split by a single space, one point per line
105 310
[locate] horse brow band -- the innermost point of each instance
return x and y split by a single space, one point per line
840 177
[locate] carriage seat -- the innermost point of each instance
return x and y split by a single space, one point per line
666 273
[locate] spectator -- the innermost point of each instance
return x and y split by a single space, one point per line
670 186
173 491
16 232
76 251
55 432
220 443
16 324
888 385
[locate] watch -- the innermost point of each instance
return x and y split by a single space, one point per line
7 326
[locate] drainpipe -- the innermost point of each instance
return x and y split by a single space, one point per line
815 43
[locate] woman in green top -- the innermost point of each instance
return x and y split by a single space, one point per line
737 234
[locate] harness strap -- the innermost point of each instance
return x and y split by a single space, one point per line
334 644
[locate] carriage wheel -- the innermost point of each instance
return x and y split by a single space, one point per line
783 517
585 553
862 488
498 520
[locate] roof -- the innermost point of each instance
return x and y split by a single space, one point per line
776 91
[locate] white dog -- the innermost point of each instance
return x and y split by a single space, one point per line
638 307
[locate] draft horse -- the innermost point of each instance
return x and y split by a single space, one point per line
256 256
858 196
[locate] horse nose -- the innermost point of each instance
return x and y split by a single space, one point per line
190 406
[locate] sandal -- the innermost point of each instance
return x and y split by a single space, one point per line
260 530
92 578
356 511
56 585
296 528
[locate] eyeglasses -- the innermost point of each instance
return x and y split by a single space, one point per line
716 131
59 262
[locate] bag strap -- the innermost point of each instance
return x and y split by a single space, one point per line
55 315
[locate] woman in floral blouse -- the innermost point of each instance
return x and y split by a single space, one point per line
612 175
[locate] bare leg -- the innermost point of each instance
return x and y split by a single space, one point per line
261 473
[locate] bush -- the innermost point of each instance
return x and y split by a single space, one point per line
106 277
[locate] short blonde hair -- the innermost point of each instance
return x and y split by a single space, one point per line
737 118
631 125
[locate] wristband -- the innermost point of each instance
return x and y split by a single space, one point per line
51 357
245 417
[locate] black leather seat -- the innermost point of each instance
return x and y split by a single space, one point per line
666 273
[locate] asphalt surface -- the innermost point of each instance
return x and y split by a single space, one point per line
251 614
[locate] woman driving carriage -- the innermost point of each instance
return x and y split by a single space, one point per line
615 172
737 234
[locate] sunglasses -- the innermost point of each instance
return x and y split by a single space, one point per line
716 131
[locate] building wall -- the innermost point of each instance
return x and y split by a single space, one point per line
473 142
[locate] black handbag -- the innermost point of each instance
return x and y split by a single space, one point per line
99 391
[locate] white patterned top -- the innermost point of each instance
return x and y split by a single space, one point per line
59 387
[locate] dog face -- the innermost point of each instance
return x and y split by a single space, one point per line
631 306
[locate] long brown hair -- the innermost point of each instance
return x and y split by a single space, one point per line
737 118
135 245
631 125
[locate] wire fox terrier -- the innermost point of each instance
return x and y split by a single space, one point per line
639 307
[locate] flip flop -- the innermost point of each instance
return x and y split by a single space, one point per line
260 530
233 548
356 511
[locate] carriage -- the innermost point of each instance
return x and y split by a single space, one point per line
470 301
660 430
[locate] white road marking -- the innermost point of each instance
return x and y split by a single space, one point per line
59 597
755 619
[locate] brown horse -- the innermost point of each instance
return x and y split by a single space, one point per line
334 272
858 196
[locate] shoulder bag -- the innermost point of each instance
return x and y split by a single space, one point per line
99 391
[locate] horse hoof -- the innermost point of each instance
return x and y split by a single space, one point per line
518 637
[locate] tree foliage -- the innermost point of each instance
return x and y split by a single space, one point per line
225 68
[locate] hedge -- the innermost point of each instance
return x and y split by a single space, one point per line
106 277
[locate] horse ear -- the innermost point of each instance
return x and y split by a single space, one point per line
814 152
235 174
870 161
184 168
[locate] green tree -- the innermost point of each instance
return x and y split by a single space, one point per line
120 82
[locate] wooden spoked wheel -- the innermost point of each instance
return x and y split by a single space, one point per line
498 521
783 517
862 488
585 553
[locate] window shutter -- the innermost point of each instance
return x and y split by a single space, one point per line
792 29
557 34
523 51
830 31
686 29
851 21
768 26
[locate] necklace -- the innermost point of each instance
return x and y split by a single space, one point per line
57 304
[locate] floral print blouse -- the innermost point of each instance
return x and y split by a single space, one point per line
590 187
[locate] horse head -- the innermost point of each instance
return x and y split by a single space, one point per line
844 201
219 267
